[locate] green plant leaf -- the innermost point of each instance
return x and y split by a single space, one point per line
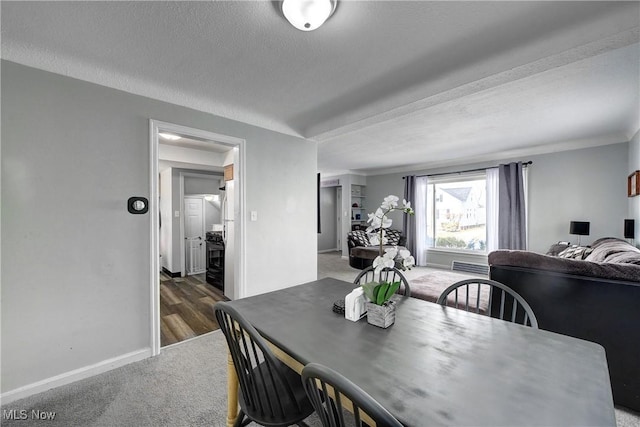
382 292
393 288
376 290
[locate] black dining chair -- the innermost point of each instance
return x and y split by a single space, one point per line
491 298
331 393
386 275
271 394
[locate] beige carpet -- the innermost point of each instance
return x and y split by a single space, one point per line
426 283
430 286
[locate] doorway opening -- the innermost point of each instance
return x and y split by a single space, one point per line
189 194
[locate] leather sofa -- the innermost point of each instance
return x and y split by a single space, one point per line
596 299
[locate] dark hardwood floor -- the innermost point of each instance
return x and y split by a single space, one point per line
186 307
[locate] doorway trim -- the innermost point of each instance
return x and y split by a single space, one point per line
239 160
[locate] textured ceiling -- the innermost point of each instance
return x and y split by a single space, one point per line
381 86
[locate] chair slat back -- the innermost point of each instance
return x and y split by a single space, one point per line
263 386
503 302
330 393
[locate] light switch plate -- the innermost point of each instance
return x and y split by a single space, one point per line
254 215
177 214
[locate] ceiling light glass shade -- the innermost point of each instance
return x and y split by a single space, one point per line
307 15
169 136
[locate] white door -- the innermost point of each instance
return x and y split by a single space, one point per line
194 235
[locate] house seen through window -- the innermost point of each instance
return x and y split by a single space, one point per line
457 214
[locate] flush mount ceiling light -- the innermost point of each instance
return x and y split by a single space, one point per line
169 136
307 15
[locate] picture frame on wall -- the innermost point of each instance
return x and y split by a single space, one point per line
633 184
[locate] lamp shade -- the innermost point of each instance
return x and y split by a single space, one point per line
307 15
629 229
579 227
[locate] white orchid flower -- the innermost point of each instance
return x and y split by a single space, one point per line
404 253
377 235
408 262
406 206
372 217
376 218
386 222
391 253
390 202
385 261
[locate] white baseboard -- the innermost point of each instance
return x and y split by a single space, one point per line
324 251
73 376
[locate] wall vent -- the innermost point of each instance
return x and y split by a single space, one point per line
469 267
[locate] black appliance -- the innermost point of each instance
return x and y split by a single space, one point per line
629 229
215 259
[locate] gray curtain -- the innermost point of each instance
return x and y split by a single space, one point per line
511 208
409 221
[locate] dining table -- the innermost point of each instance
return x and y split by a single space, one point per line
436 365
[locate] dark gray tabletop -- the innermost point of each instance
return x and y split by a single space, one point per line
441 366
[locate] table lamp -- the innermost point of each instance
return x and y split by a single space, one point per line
629 229
580 228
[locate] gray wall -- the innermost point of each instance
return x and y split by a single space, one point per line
587 184
328 221
76 265
201 185
583 185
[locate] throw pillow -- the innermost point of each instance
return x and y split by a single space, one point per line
556 248
575 252
360 237
631 257
393 237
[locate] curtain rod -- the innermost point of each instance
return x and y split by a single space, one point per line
524 164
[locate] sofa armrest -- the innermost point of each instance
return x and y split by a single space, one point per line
351 243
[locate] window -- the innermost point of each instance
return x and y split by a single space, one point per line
456 213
